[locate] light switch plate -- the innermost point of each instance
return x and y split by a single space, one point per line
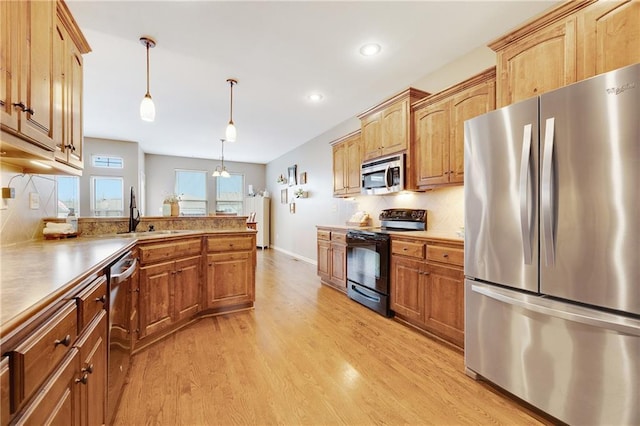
34 200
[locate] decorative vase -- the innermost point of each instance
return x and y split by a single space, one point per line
166 209
175 209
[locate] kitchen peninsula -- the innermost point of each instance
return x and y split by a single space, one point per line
56 305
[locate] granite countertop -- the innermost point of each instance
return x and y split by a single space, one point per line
428 234
37 273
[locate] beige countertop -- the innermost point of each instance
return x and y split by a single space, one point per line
36 273
428 234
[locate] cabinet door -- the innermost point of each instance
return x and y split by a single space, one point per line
339 184
187 287
432 133
58 401
74 112
541 62
407 288
353 159
324 259
466 105
9 64
339 265
156 306
395 126
229 279
37 67
371 136
444 303
93 372
609 37
5 389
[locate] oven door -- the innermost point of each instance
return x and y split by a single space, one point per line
368 261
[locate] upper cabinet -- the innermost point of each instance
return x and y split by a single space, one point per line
386 128
437 147
27 102
40 84
347 156
574 41
609 37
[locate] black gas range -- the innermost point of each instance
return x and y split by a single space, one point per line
369 257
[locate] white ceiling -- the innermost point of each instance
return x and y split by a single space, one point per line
279 52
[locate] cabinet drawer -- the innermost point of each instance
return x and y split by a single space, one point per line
230 243
338 237
37 356
406 248
91 301
324 235
449 255
169 250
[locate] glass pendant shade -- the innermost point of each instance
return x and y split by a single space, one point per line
147 108
231 133
225 173
216 173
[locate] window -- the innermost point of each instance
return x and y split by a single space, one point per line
107 162
229 194
191 187
107 196
68 192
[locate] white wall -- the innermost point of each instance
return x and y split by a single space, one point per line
296 233
160 177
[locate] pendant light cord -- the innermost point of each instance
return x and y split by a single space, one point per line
147 43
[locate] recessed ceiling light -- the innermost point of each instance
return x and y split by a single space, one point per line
370 49
315 97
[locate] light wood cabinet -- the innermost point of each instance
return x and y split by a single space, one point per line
41 84
347 158
68 74
230 273
386 128
92 375
569 43
609 37
438 122
169 283
5 404
427 286
332 257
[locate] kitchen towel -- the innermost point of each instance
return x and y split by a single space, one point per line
57 228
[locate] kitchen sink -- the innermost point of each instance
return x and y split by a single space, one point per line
148 234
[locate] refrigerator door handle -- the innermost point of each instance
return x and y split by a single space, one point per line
525 209
620 326
547 195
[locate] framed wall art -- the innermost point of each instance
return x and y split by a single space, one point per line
303 178
283 196
293 175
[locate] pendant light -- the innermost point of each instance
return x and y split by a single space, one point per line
147 108
231 128
221 170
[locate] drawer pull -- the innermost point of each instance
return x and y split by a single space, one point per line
66 341
404 249
102 299
84 379
88 369
445 255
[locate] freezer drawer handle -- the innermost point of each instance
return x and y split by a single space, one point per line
630 329
525 196
547 195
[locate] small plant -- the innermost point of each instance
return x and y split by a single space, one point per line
281 180
171 198
299 193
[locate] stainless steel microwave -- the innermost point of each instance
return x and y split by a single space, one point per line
383 175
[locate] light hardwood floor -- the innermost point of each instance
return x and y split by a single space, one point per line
306 355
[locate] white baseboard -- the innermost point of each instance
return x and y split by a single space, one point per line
297 256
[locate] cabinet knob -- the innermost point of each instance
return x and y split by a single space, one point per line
102 299
29 111
66 341
88 369
84 379
445 255
19 105
404 249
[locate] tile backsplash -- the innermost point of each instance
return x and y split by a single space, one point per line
20 220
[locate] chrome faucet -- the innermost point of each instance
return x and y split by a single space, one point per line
134 220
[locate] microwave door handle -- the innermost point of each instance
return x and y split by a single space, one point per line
386 176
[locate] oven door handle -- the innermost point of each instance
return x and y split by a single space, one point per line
366 296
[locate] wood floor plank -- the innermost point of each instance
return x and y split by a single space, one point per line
306 355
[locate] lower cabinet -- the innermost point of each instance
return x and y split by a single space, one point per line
427 286
169 292
230 269
92 377
332 257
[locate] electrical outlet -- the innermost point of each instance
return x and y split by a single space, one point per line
4 204
34 200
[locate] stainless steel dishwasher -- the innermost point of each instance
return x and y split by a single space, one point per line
119 328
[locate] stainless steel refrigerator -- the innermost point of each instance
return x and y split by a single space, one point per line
552 249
